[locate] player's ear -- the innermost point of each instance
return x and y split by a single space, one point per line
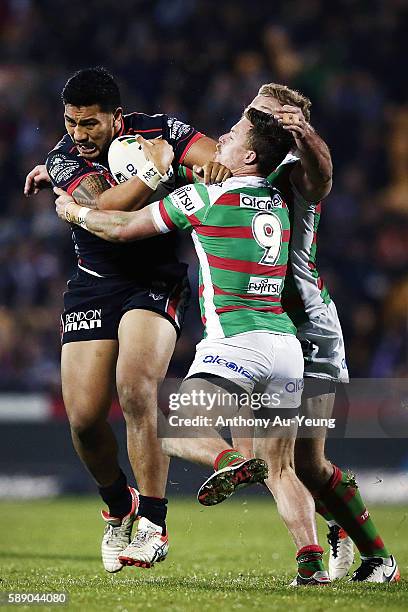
117 118
250 157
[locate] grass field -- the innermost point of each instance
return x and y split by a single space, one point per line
236 556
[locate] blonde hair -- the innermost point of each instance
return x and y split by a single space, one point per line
285 95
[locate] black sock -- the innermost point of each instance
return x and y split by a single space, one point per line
154 509
117 497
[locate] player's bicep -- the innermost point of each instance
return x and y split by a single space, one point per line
89 190
200 152
311 191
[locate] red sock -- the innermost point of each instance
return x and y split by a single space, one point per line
226 458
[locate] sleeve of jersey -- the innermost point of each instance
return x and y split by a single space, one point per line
181 136
67 171
184 208
185 176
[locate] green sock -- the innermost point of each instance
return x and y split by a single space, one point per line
342 499
323 511
309 560
226 458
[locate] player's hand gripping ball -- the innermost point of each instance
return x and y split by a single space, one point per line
127 159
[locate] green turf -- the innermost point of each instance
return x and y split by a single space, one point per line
236 556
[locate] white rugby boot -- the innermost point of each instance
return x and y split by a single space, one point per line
377 569
117 535
149 546
341 552
320 578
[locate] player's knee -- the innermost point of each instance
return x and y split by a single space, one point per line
137 396
280 460
84 427
311 469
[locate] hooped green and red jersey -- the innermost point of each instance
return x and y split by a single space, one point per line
241 231
305 294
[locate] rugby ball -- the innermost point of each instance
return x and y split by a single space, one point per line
126 159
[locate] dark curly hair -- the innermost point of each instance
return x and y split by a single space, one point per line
92 86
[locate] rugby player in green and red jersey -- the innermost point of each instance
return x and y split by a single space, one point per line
304 178
241 231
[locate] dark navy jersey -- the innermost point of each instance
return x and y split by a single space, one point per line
150 260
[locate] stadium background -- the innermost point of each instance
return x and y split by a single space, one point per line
201 61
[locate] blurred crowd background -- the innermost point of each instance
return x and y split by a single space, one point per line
202 61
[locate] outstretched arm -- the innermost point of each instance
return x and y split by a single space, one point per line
313 176
114 226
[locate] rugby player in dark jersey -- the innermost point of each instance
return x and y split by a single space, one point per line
122 311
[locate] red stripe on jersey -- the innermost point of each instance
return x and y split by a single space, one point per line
189 174
200 290
233 232
247 267
318 208
225 232
146 131
229 199
247 296
274 309
195 221
77 181
189 144
165 216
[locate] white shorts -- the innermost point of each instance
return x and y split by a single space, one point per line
274 361
323 346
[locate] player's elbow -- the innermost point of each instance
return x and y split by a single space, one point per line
325 187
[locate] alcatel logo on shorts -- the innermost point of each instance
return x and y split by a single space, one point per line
231 365
295 386
89 319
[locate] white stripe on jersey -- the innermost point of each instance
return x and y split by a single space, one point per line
213 326
91 272
158 219
216 190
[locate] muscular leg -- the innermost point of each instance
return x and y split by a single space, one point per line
146 344
312 467
337 495
189 444
87 373
295 504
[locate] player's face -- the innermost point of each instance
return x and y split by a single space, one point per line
266 104
232 148
91 129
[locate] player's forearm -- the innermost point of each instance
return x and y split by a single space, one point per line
94 191
108 225
128 196
316 169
